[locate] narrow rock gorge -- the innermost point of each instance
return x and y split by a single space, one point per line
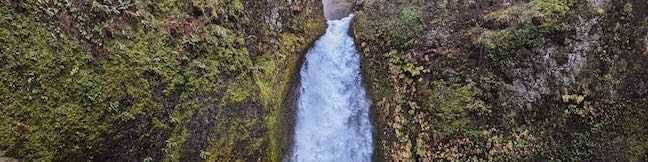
231 80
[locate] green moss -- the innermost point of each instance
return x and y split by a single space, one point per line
240 90
263 76
236 136
552 12
451 105
130 62
533 24
163 8
231 10
66 87
406 29
273 79
272 75
173 146
638 133
76 104
47 94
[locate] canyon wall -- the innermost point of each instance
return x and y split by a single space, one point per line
170 80
533 80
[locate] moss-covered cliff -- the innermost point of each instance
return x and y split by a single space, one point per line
140 80
192 80
507 80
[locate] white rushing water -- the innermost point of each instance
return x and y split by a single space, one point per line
333 115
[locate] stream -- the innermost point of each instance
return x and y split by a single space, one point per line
333 110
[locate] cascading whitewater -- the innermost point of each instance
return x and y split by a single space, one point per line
333 115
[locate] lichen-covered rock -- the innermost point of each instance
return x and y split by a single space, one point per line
149 80
507 81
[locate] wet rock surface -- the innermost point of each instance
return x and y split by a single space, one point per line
337 9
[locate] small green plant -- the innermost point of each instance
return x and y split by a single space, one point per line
204 154
627 8
407 70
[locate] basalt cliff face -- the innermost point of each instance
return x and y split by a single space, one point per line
506 80
215 80
139 80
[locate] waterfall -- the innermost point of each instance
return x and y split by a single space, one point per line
333 114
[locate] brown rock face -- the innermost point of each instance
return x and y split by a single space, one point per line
337 9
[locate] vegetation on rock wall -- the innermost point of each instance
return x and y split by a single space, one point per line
126 80
171 80
524 25
506 81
